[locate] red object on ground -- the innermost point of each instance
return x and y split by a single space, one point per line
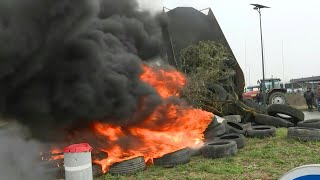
78 148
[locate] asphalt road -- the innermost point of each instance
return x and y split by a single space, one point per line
312 115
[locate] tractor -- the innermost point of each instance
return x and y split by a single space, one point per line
274 93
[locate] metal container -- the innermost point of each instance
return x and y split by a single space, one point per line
77 162
307 172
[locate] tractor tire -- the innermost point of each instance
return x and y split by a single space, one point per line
219 149
219 90
292 114
272 121
304 133
173 159
278 98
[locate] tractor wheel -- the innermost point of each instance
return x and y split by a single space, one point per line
278 98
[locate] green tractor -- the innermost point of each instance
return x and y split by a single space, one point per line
275 94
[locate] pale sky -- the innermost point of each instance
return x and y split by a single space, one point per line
293 22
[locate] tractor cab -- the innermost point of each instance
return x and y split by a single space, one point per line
270 84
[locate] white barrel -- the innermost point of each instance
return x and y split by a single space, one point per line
77 162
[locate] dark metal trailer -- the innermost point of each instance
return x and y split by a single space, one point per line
188 26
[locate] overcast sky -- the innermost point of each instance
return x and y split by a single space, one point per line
293 22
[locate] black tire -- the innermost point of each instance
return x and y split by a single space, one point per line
215 132
246 126
233 118
238 138
96 170
261 131
272 121
214 123
194 152
232 127
176 158
304 133
219 149
128 167
278 95
313 123
294 115
254 105
248 117
219 90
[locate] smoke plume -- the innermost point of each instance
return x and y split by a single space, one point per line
19 157
65 63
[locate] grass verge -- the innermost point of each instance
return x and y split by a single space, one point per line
263 159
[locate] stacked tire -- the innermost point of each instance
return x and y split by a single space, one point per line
287 113
308 130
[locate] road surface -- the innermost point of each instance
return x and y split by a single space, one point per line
312 115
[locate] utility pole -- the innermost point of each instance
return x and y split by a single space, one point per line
258 8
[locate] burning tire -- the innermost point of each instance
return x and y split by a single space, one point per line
215 132
213 124
286 112
304 133
272 121
261 131
128 167
232 127
312 123
238 138
219 149
176 158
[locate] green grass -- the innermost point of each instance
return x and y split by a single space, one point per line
261 159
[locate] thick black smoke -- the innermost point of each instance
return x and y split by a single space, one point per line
65 63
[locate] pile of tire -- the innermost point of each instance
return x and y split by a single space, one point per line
286 116
308 130
225 138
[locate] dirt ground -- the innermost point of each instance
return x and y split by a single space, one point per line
296 100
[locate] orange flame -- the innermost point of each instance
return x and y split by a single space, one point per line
171 127
56 151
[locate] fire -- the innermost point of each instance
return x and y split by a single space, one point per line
167 82
171 126
56 154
